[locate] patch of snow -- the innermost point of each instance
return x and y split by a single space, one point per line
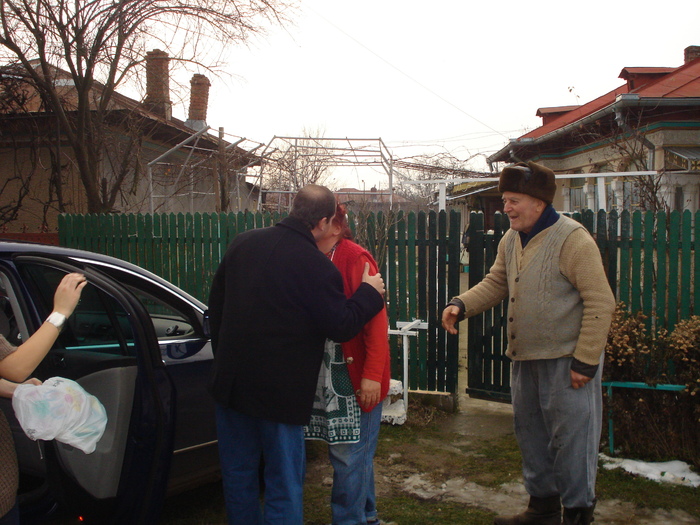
394 413
393 407
395 387
676 472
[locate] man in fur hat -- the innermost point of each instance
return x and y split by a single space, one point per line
559 313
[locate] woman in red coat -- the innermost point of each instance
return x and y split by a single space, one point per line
354 381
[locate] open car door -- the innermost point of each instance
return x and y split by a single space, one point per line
109 346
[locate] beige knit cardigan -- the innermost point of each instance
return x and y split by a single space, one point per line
579 262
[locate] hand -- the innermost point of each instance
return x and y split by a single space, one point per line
7 388
368 396
68 293
449 318
375 280
578 380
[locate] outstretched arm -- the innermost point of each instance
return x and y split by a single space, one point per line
19 364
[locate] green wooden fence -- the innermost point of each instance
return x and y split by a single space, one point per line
419 254
653 265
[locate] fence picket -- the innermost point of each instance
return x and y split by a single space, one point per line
625 258
454 269
413 380
648 283
422 284
636 277
198 269
661 264
686 261
432 298
673 269
611 250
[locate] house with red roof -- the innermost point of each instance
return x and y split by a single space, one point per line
637 146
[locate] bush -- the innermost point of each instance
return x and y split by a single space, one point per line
652 424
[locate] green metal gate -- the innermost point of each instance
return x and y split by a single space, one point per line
488 368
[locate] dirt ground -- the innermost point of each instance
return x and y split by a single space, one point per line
483 419
477 421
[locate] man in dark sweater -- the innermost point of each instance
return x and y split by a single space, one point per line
274 300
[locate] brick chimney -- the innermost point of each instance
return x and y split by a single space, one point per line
691 53
199 101
158 83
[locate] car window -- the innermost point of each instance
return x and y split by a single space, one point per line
168 322
99 323
172 317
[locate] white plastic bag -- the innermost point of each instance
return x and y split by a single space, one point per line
60 409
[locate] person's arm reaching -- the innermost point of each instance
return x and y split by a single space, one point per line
18 365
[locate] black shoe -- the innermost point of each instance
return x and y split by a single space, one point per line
579 515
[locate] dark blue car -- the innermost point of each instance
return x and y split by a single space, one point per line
140 345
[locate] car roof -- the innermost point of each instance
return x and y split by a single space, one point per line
29 248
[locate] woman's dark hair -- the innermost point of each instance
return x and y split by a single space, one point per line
313 203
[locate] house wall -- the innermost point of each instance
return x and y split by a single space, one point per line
174 191
40 207
606 158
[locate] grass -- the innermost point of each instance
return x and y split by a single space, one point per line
425 445
645 493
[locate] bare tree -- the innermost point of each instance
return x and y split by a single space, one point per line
100 43
298 161
429 168
25 139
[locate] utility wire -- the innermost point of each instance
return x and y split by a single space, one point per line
403 72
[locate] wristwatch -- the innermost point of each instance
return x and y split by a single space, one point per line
56 319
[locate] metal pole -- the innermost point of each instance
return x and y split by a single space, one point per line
443 196
391 183
405 329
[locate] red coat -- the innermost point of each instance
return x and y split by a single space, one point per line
367 354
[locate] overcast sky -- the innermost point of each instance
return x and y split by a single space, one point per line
463 76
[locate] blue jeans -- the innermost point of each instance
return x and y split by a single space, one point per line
243 442
353 501
12 517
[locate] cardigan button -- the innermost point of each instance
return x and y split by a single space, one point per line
350 360
512 299
510 319
512 336
514 352
517 279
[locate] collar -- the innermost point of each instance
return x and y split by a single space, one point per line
548 218
298 226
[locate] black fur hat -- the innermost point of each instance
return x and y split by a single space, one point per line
529 178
